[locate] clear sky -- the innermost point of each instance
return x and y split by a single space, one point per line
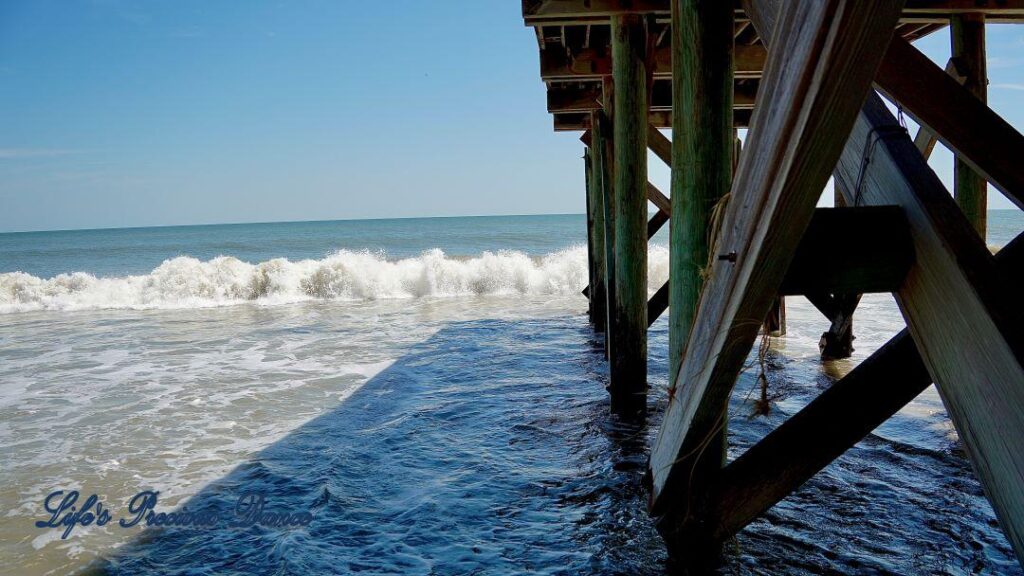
117 113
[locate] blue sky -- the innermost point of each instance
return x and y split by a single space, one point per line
116 113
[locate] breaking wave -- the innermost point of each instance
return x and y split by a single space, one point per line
186 282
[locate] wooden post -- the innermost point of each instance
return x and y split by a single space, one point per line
967 32
703 139
590 231
775 324
595 207
837 342
702 146
602 291
628 317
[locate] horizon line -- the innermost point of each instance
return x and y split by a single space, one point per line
252 223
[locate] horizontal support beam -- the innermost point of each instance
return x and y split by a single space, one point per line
578 12
587 96
596 63
851 251
580 121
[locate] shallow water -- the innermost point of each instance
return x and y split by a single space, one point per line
461 429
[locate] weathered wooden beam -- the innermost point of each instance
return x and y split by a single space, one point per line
965 322
656 223
967 33
850 251
628 317
831 424
964 124
604 8
955 302
816 85
812 438
1002 10
586 96
594 63
567 12
579 122
659 144
659 199
925 140
657 305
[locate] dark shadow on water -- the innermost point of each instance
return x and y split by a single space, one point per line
490 449
486 449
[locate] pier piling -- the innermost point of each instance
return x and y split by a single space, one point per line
628 317
598 262
967 32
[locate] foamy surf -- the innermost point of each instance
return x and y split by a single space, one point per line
186 282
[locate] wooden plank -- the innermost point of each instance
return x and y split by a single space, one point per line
659 199
605 8
964 124
659 144
925 140
578 122
595 63
656 223
811 439
628 316
586 96
831 424
967 32
657 304
817 84
566 12
966 323
851 251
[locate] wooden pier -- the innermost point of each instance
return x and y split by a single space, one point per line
807 79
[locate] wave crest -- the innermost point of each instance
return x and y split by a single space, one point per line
186 282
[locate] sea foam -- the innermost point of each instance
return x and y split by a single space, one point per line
345 275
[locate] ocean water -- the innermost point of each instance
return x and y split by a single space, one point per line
428 390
